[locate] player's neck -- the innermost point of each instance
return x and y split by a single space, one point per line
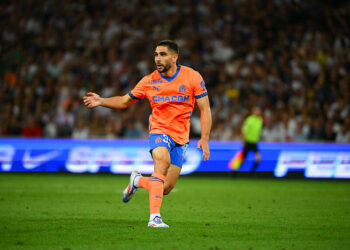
171 71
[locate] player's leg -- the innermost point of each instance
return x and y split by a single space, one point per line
136 179
176 162
176 154
245 151
160 146
170 181
257 160
161 159
171 178
131 189
177 158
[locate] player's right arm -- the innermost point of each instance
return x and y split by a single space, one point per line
92 100
245 127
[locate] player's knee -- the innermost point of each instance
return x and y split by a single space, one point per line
168 189
163 163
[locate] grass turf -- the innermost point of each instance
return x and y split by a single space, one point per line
46 211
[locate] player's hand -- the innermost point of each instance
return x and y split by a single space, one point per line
92 100
203 144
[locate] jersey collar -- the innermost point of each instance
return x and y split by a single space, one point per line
169 79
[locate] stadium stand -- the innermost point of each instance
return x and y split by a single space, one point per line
290 57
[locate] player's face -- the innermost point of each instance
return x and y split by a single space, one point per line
164 58
257 111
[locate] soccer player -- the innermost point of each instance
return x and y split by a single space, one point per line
172 91
251 130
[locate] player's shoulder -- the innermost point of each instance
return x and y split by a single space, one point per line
254 118
191 73
189 70
154 76
151 76
249 118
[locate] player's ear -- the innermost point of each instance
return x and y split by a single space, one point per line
175 56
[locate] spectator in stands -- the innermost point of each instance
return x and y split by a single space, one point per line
343 135
32 129
81 130
292 57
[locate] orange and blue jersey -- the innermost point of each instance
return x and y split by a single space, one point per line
172 101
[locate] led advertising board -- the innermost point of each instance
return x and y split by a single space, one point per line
315 160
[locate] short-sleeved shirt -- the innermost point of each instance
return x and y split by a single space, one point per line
251 128
172 101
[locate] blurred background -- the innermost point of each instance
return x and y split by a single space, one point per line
290 57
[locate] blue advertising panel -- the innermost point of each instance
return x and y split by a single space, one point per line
315 160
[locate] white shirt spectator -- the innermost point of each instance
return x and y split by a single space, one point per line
343 136
80 133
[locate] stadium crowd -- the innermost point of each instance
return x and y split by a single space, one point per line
290 57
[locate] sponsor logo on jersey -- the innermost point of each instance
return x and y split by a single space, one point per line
154 87
156 81
179 98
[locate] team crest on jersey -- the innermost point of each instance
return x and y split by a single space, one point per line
156 81
182 89
203 85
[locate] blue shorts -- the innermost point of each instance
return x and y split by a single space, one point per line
176 151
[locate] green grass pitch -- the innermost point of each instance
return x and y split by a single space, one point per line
48 211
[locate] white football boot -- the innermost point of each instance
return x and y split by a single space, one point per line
157 222
131 189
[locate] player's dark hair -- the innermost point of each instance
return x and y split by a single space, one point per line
170 44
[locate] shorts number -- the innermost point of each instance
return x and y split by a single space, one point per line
166 140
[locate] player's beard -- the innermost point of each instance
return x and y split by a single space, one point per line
166 67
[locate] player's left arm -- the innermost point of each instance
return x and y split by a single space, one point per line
204 107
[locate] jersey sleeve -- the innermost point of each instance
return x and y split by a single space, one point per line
245 125
199 86
138 92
